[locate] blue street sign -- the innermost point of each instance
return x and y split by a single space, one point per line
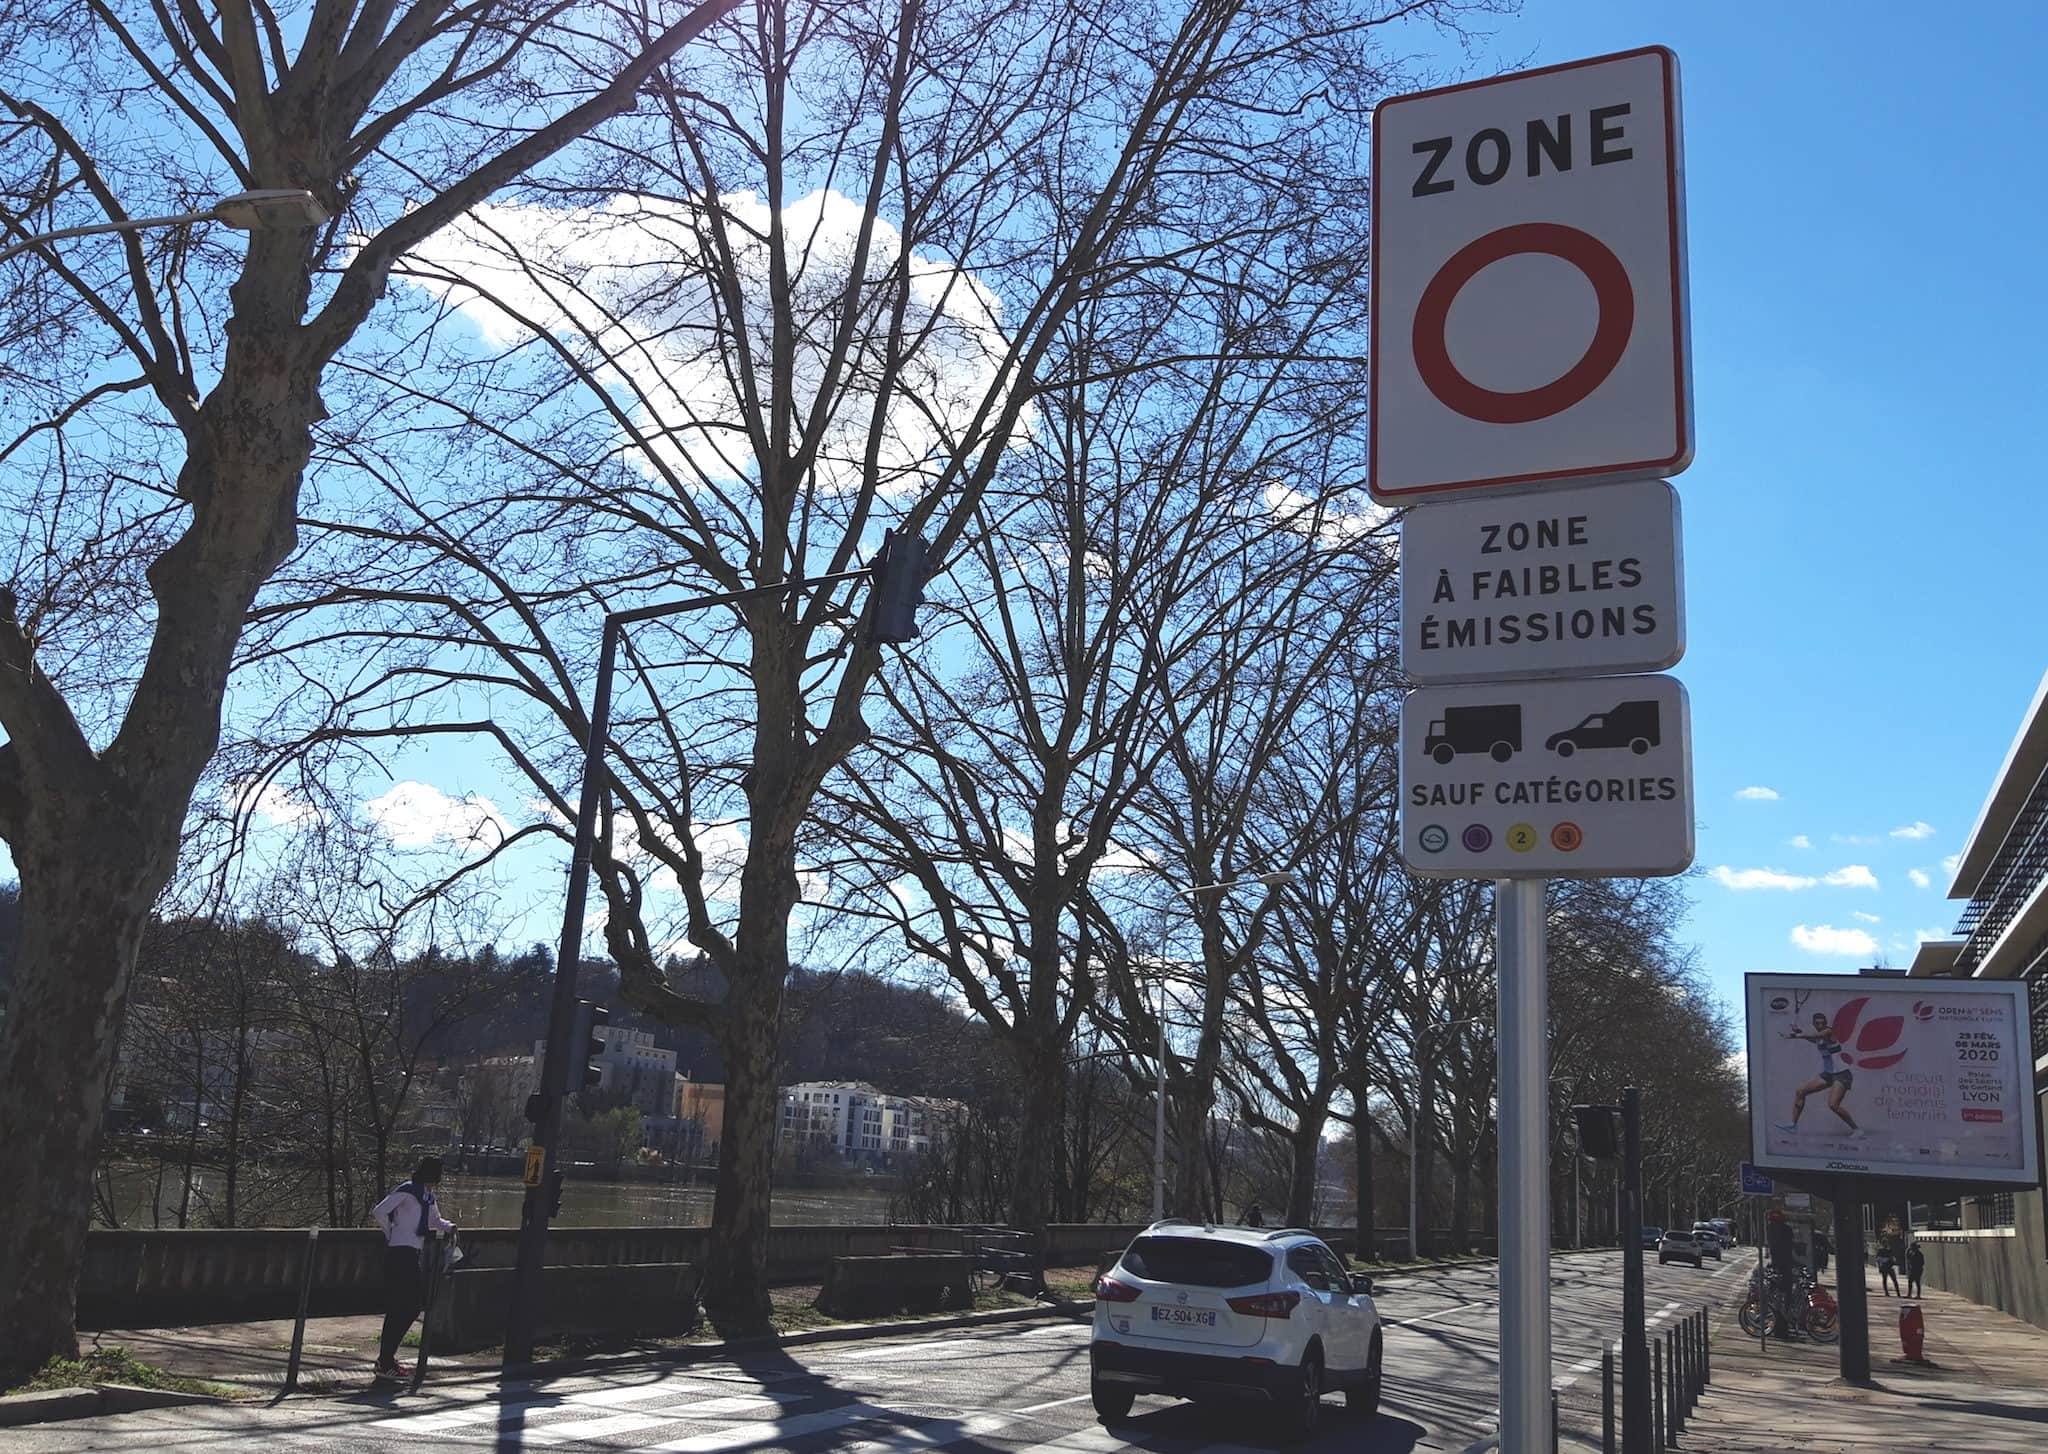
1755 1183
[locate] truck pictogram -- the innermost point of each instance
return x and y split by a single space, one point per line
1495 731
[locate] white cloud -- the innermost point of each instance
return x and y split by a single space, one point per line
1950 864
1799 840
1866 918
1919 878
1826 939
1332 523
267 801
1916 829
1856 840
1758 795
419 815
1759 878
1929 936
1851 876
626 283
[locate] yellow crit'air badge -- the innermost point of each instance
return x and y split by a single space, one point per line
536 1157
1522 837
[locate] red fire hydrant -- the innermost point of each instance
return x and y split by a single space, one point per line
1912 1333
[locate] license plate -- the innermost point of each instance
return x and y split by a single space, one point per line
1192 1317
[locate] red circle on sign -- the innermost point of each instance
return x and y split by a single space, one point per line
1583 251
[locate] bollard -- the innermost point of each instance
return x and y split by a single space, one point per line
1553 1421
1706 1348
1674 1406
1607 1401
1657 1393
291 1371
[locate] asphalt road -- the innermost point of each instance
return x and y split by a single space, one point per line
1020 1389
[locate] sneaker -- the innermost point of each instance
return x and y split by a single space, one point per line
388 1368
1787 1127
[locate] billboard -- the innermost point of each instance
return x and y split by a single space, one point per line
1928 1079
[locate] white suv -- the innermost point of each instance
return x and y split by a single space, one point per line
1198 1311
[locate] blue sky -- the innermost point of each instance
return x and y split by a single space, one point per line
1863 531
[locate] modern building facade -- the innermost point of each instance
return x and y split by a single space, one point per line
1995 1248
853 1121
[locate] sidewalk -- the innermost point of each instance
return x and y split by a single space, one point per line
1986 1393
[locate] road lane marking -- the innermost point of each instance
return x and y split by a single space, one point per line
577 1430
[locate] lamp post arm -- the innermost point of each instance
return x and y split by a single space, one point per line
131 224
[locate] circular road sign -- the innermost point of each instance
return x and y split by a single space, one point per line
1611 333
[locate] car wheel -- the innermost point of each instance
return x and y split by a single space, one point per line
1112 1404
1640 746
1364 1400
1443 756
1304 1410
1501 752
1566 748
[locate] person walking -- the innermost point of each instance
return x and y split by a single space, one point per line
1822 1249
1253 1217
408 1217
1916 1263
1784 1269
1888 1267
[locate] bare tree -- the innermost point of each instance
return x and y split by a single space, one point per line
167 397
822 291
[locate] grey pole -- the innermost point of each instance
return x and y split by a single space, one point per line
1636 1379
1524 1222
1159 1117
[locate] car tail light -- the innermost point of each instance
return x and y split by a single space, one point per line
1111 1291
1266 1304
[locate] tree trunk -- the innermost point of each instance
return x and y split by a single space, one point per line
735 1290
84 903
1366 1211
1040 1071
1461 1204
1306 1145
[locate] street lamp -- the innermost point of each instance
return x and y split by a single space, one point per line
265 209
1273 879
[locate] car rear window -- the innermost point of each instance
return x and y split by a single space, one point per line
1196 1262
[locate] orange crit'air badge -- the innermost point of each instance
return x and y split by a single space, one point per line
536 1157
1566 837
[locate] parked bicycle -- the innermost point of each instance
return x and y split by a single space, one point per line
1811 1309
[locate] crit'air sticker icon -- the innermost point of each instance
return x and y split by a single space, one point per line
1434 838
1566 837
1522 837
1477 838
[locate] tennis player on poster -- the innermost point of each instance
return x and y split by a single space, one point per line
1835 1081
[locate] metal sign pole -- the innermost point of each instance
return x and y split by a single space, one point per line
1521 1037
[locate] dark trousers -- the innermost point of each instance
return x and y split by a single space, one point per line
1890 1275
1912 1284
404 1295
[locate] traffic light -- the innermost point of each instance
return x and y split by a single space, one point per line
535 1107
1599 1131
590 1022
896 589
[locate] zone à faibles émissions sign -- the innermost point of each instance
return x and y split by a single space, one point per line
1564 582
1528 280
1914 1079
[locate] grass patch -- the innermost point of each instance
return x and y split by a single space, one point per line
114 1365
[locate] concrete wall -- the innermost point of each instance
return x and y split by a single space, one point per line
144 1279
634 1300
2003 1267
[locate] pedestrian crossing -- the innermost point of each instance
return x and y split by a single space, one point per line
684 1413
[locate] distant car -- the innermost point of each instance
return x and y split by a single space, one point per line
1651 1237
1677 1246
1198 1311
1709 1238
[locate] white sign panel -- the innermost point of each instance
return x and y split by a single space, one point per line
1581 778
1582 581
1929 1079
1528 280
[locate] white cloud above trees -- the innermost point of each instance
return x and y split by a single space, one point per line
1826 939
